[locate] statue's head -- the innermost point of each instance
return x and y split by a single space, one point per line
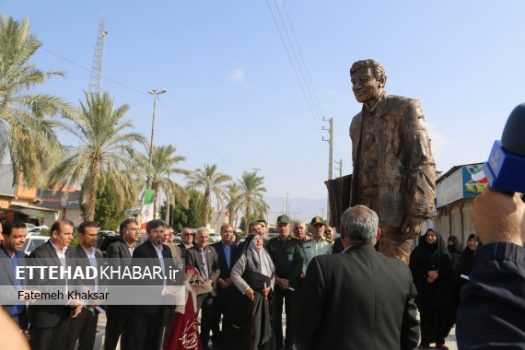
368 80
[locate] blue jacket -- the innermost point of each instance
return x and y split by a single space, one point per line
491 313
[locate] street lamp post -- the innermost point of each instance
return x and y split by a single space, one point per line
155 93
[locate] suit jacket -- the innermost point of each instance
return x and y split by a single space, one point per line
118 249
401 159
147 251
47 315
193 258
225 270
79 257
357 300
7 280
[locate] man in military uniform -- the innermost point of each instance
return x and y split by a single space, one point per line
394 172
299 230
318 245
287 257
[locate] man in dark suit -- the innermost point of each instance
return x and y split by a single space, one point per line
227 253
83 328
205 259
359 299
120 252
146 322
12 255
49 324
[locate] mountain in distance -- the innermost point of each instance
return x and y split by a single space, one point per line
296 208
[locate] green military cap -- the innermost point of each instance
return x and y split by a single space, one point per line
283 219
317 220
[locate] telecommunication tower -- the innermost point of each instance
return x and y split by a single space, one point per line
96 68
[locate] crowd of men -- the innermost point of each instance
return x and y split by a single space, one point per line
141 327
359 299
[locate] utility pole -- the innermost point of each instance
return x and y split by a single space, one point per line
155 94
340 167
330 141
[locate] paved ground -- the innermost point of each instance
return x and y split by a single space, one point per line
450 341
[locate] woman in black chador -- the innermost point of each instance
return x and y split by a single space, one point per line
253 275
467 259
433 276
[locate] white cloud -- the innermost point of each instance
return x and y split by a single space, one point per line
237 76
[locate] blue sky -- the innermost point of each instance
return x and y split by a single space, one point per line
233 98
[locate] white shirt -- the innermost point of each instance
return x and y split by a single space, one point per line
60 253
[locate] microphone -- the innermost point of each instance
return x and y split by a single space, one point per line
505 168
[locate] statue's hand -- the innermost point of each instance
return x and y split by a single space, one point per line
411 227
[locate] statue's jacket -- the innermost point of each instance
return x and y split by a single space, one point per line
394 171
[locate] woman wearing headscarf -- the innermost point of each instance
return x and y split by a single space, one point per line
451 293
468 259
253 275
432 272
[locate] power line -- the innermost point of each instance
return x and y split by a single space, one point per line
89 70
297 75
196 136
301 56
173 114
297 61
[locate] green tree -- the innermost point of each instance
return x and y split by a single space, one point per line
105 152
26 123
107 215
189 215
210 181
163 165
233 202
251 197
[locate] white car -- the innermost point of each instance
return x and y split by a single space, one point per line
214 237
33 242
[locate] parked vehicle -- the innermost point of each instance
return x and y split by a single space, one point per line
214 237
33 242
105 238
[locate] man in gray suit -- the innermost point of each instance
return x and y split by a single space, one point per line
121 250
205 259
83 328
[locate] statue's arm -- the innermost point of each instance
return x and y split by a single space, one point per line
421 168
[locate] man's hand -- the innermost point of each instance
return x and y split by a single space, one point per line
265 292
432 276
282 283
76 311
250 294
498 217
222 283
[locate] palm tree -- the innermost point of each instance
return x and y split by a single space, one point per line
251 198
160 170
105 151
233 206
26 127
210 181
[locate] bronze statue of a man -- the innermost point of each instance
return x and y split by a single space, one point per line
394 172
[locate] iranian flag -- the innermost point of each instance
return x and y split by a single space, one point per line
147 206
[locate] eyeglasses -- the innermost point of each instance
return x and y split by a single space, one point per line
188 234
